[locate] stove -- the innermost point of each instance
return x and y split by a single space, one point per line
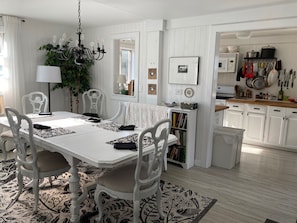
224 92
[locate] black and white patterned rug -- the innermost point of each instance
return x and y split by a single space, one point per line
178 204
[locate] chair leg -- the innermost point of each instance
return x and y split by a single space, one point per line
159 194
98 200
36 193
20 183
136 211
3 148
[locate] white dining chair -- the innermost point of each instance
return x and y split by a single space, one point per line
139 179
30 161
93 101
34 102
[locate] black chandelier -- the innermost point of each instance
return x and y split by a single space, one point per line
80 53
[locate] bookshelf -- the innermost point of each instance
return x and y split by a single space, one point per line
184 127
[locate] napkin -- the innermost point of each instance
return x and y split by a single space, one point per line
127 127
96 120
95 115
125 145
38 126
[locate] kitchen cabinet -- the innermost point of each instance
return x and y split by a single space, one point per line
184 127
275 125
255 123
234 115
290 137
281 127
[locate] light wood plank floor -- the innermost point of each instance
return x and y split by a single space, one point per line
263 185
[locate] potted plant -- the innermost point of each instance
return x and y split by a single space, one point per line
74 77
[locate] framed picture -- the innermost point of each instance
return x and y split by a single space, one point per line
183 70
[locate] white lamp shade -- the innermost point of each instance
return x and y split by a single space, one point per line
49 74
122 79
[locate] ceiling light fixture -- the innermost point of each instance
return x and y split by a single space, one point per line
80 53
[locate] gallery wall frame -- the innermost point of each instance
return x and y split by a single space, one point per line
183 70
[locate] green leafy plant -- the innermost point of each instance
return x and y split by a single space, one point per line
74 77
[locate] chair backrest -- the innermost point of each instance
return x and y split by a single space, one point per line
93 100
34 102
158 136
24 146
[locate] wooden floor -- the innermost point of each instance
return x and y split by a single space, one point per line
263 185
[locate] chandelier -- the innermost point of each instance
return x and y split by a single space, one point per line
79 52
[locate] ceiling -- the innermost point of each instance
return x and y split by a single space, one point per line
111 12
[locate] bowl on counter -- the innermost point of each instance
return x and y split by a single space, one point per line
233 49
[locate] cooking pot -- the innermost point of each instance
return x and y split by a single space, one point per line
267 52
252 54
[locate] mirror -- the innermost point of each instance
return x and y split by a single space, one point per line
125 65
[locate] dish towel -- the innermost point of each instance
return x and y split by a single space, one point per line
144 115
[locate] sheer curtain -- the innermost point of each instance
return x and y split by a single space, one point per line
13 63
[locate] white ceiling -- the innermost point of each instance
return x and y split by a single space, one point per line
111 12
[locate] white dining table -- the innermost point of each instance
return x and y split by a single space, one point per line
87 142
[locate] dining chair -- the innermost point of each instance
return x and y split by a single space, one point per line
30 161
140 179
34 102
142 115
93 101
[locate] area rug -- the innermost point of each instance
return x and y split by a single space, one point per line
178 204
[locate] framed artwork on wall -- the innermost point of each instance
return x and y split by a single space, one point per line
183 70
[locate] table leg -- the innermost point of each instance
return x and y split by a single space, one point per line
74 188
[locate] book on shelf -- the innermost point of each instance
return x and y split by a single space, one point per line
177 153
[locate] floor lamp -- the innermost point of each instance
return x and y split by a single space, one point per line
48 74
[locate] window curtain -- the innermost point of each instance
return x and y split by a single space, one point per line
13 62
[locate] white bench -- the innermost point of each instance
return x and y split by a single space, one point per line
141 115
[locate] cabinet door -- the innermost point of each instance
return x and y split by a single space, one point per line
233 119
275 125
233 116
255 125
290 137
255 122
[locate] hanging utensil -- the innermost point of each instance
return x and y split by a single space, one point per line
273 75
293 78
280 79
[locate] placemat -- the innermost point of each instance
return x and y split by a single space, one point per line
132 138
112 126
47 133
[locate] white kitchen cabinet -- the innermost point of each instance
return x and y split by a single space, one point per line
281 127
234 115
184 127
290 136
255 122
275 125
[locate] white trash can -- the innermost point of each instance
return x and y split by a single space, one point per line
227 143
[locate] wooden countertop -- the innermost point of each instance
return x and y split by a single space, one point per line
287 104
220 108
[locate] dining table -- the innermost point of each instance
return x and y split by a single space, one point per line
81 138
